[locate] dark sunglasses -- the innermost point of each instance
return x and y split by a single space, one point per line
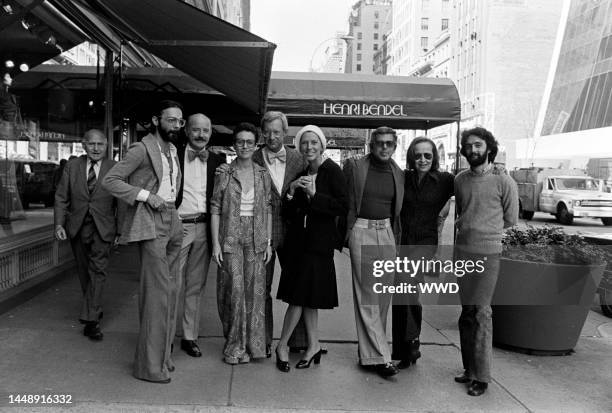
382 144
427 156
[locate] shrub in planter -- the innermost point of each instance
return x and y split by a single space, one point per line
548 280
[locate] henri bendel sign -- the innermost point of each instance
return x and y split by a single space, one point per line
363 109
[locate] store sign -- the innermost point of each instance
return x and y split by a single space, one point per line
363 109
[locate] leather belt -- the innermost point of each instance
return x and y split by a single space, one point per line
373 223
197 219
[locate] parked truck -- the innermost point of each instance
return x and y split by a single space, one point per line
564 193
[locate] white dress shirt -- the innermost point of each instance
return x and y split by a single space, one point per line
167 187
194 187
276 168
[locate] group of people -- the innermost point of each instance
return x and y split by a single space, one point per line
184 207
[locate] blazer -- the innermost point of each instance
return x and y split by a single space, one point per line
72 200
212 163
356 173
140 169
226 202
294 166
319 213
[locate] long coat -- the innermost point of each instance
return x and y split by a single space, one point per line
73 200
141 169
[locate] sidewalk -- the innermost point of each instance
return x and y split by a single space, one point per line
44 352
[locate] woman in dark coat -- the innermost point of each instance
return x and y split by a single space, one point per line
426 191
308 280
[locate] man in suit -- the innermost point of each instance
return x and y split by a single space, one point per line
376 191
284 165
86 213
198 166
148 180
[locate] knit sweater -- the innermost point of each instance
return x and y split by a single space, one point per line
486 204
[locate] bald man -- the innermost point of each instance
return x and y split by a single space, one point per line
86 213
198 166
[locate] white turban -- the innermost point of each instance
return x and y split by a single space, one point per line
310 128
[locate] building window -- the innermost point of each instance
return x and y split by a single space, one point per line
358 46
375 46
376 25
358 57
375 36
424 43
359 68
444 24
425 23
424 4
359 35
376 15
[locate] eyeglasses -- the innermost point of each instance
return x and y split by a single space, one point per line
426 156
175 121
382 144
245 144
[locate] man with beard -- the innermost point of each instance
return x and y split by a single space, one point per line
376 191
486 203
148 180
198 166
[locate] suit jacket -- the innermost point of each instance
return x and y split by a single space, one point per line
330 201
356 173
294 166
73 200
212 163
140 169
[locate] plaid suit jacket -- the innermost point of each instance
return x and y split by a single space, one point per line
294 166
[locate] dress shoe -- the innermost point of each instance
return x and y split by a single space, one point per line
477 388
281 364
464 378
304 364
190 347
386 369
92 330
165 381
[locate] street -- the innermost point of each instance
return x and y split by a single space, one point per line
584 226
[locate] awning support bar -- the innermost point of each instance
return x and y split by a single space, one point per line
206 43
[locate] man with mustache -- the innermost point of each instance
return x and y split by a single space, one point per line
486 203
86 213
198 166
148 180
376 190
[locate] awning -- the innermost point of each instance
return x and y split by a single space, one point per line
364 101
223 56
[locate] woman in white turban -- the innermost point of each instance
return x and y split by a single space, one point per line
308 281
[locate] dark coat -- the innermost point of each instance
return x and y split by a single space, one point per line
422 204
72 200
329 202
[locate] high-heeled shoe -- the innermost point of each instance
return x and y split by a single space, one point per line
280 364
304 364
413 355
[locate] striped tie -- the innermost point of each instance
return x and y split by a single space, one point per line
91 177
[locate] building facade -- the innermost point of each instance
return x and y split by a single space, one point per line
369 21
499 54
334 56
417 24
575 119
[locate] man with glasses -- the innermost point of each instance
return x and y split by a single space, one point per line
198 166
86 213
148 180
376 190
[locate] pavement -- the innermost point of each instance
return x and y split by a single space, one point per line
45 353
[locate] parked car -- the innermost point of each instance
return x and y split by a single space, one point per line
564 193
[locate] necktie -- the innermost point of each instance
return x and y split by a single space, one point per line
203 155
91 177
280 155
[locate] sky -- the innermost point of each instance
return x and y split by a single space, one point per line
298 27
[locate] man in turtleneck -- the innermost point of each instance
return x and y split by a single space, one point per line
376 190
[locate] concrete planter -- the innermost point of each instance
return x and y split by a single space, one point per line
547 305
